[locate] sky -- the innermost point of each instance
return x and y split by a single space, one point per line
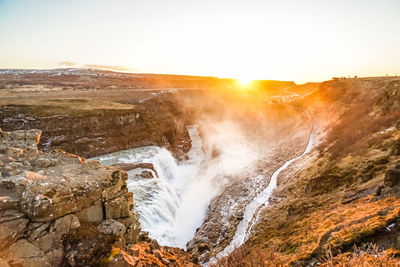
300 40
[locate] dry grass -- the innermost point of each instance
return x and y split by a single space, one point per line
256 257
67 106
305 225
356 128
334 226
141 254
365 106
370 257
331 203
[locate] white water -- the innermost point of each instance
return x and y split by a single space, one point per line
246 224
167 206
172 205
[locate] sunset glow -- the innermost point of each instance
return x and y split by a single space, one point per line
281 40
244 82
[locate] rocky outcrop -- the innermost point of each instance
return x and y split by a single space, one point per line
147 252
58 209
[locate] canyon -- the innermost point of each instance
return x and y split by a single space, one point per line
184 170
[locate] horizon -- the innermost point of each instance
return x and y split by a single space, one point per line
254 40
200 76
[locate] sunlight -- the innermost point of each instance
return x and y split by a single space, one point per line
244 82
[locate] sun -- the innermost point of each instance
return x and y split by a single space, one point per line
244 82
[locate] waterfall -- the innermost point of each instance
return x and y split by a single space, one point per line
160 202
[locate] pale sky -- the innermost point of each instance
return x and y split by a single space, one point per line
300 40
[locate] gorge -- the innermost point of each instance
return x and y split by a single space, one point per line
212 170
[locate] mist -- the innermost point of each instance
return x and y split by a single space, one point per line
227 154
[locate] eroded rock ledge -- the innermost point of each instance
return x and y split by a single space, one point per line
58 209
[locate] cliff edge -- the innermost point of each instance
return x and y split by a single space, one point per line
57 209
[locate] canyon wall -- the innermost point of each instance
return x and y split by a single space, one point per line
89 128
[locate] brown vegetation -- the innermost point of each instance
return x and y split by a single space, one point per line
370 257
245 256
365 108
256 257
339 198
355 130
149 254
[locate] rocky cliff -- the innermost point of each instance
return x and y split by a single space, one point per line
57 209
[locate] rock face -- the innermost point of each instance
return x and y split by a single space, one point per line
58 209
392 177
96 131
